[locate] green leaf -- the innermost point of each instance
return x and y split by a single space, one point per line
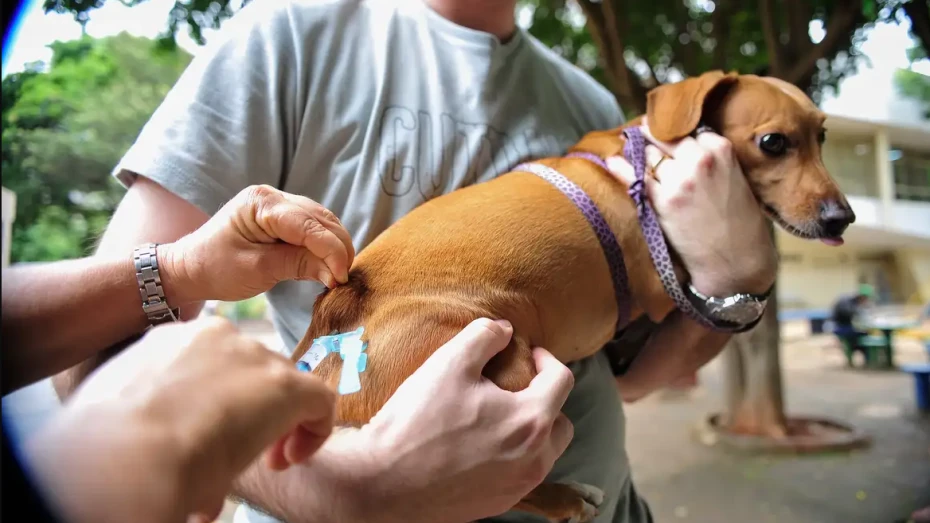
914 85
59 147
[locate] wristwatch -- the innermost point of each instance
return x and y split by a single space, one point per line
153 296
737 313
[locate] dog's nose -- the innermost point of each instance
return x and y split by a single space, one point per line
835 218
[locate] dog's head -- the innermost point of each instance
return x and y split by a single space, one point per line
777 133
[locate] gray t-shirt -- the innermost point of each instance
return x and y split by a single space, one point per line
372 107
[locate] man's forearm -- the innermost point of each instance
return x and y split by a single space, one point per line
330 487
58 314
678 346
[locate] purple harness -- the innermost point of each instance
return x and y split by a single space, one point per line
635 152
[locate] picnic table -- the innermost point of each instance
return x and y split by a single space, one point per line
888 326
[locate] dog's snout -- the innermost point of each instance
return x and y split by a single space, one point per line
835 217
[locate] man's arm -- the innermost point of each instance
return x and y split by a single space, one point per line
223 127
61 314
407 464
331 484
679 345
149 212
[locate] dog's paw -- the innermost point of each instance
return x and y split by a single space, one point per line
592 496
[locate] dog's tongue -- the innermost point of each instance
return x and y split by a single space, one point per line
834 242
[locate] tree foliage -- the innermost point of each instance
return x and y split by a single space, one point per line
634 46
196 15
913 84
66 127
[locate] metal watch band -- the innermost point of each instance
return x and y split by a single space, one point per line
737 313
153 296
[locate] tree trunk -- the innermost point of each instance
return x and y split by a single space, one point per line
603 23
752 378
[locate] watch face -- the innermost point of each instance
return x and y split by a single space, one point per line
740 309
741 312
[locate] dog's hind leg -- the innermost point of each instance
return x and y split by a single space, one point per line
563 502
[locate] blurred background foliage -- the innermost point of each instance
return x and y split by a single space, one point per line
913 84
251 309
66 124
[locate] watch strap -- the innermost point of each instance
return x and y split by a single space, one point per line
154 304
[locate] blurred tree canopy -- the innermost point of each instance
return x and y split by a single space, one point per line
633 46
64 129
913 84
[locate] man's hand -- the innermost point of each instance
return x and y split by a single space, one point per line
449 446
677 348
259 238
168 424
708 213
458 445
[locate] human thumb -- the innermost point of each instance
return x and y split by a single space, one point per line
477 343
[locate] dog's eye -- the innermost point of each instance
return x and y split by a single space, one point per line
774 144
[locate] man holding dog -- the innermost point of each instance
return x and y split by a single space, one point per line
302 112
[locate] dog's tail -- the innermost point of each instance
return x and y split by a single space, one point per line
336 310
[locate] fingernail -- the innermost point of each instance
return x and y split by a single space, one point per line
326 278
504 323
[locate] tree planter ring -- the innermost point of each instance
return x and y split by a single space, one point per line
806 435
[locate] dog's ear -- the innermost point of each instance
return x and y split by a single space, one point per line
674 110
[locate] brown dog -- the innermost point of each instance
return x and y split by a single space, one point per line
517 248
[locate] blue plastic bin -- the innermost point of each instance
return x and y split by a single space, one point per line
921 374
